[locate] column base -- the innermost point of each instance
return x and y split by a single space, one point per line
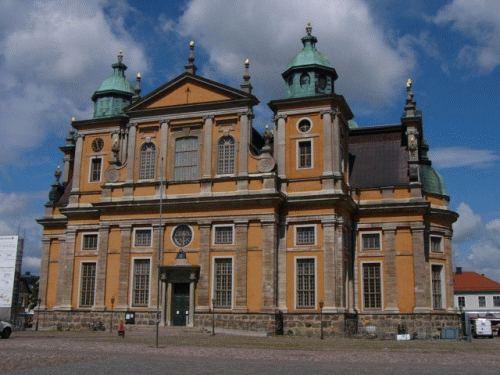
421 310
202 309
121 308
62 308
241 309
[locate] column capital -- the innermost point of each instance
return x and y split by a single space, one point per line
164 121
248 113
388 228
241 223
208 117
280 117
132 124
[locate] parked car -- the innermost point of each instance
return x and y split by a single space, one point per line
482 328
5 330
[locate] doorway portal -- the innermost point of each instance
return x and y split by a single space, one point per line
180 304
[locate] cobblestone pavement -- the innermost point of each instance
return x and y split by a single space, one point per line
100 353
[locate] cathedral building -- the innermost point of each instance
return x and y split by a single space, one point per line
173 205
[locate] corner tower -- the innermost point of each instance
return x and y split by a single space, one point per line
309 73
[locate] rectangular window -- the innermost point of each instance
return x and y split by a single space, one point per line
90 241
437 291
372 288
461 301
436 244
306 283
223 234
95 169
186 159
496 301
481 300
87 286
141 282
370 241
305 235
142 237
305 154
223 283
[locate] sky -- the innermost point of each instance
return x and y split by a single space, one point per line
55 54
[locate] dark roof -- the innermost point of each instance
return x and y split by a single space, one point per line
380 158
474 282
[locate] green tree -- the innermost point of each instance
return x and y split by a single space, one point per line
33 299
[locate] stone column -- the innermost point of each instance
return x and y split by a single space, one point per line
448 253
269 254
163 300
282 263
421 270
77 170
391 296
329 266
66 169
128 191
203 290
169 303
192 279
338 261
279 145
66 269
337 169
163 149
44 272
156 262
123 144
102 262
244 141
327 142
124 272
240 267
207 146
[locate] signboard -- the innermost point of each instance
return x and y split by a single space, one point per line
8 253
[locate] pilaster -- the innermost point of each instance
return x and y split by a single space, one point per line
163 147
102 261
124 272
421 270
203 289
329 266
389 235
156 261
279 145
269 267
132 130
207 146
282 262
77 170
66 269
448 253
240 266
337 169
44 272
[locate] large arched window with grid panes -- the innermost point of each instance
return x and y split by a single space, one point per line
148 161
225 156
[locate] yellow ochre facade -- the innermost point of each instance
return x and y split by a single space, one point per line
174 206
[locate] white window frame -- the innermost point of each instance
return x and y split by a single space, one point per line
380 237
175 167
214 231
315 226
493 300
232 281
83 241
218 172
298 152
132 276
143 228
443 286
362 275
299 121
91 161
295 276
484 299
80 282
172 235
141 161
461 298
441 244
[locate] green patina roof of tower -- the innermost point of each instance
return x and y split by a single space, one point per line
117 81
309 55
432 181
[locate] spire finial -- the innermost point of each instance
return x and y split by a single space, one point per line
246 86
120 55
73 119
137 87
410 103
57 175
190 67
309 27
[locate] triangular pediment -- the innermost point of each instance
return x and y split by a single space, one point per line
188 89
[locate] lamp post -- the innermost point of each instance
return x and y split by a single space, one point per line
321 304
38 315
111 319
213 316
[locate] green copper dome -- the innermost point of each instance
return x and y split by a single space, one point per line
114 94
309 73
432 181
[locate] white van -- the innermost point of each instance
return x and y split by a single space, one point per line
482 328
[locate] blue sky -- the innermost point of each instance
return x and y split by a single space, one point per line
55 54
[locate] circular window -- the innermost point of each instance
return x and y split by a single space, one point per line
304 125
182 235
305 80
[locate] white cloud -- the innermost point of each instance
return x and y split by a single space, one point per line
479 21
453 157
372 70
31 264
52 55
468 224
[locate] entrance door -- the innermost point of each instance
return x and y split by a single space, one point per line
180 304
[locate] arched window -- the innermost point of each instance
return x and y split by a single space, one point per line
148 160
225 160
